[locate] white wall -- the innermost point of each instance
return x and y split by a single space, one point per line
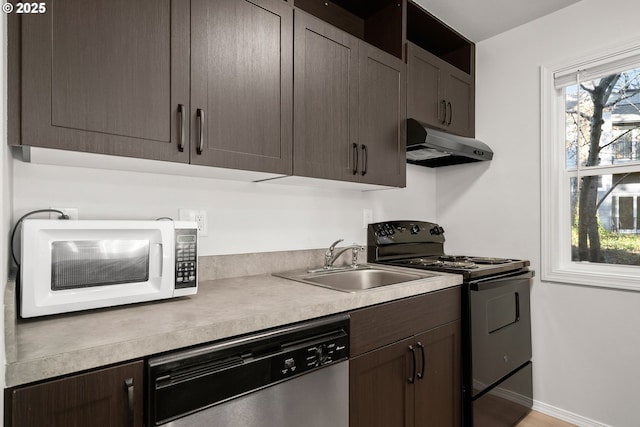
242 216
586 344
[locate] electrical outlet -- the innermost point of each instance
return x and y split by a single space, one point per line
198 216
367 217
71 212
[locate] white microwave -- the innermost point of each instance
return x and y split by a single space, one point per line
72 265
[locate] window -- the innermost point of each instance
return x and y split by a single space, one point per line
591 170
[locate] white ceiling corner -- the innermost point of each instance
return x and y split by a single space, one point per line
479 20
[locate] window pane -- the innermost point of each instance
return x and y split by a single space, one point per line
603 120
604 218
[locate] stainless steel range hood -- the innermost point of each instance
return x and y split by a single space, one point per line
434 148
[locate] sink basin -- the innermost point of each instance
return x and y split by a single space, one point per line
354 280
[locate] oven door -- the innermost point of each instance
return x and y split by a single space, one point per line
500 327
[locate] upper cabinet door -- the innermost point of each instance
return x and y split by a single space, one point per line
326 100
94 79
439 94
425 97
383 111
460 91
241 84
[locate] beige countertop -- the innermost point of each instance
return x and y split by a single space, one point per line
57 345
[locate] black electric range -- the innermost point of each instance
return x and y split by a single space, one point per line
418 244
495 325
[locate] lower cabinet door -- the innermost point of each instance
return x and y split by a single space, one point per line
380 393
438 389
109 397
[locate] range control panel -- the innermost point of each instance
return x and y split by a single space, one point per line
186 258
394 232
310 355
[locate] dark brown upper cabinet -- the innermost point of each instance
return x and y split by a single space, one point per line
92 78
382 108
241 84
205 82
349 102
440 74
110 397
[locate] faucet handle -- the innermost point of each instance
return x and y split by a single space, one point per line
333 246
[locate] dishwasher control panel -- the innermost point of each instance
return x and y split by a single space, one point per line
310 355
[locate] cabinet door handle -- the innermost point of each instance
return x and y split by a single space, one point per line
131 401
517 306
355 158
180 128
365 159
444 111
420 374
200 121
412 378
450 113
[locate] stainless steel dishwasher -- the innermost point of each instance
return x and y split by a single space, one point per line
286 377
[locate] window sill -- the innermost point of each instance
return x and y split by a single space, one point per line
594 276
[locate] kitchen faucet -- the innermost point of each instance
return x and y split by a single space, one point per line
330 256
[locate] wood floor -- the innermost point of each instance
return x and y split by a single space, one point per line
536 419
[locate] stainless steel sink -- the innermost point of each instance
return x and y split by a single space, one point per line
353 280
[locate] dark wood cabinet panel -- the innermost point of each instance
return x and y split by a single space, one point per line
417 338
349 102
439 94
383 112
380 394
438 393
382 324
97 399
425 92
325 100
241 84
94 79
460 92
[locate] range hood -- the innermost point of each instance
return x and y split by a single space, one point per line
434 148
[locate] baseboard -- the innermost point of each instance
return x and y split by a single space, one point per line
567 416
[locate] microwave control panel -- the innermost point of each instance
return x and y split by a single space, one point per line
186 258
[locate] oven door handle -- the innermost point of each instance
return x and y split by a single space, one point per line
493 282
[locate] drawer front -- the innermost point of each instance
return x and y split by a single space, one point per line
376 326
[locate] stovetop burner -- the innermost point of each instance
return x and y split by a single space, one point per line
442 261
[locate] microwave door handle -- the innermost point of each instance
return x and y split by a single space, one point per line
157 254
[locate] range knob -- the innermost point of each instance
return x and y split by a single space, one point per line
415 229
436 231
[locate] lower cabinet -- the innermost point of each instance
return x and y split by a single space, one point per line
413 381
110 397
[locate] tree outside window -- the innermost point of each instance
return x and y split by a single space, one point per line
602 118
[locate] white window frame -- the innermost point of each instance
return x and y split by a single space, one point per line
556 263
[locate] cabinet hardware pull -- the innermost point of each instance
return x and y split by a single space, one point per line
180 128
355 158
450 113
365 159
421 373
200 120
517 306
130 398
444 111
412 378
